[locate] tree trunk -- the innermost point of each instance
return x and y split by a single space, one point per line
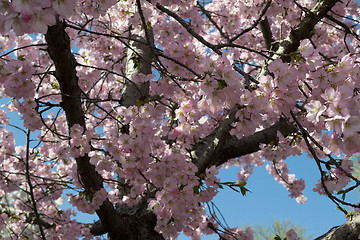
348 231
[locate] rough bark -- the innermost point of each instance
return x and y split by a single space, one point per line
303 30
139 57
137 225
348 231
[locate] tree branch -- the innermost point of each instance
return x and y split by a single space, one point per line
59 49
188 28
348 231
303 30
267 34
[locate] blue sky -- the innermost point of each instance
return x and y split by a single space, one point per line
269 201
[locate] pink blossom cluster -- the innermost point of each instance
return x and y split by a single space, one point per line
292 235
240 234
88 202
36 15
16 76
280 172
336 180
148 147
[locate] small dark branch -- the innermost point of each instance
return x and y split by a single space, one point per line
31 188
207 14
248 78
43 77
116 36
344 26
100 69
279 173
188 28
179 63
222 45
306 138
267 34
148 35
304 9
268 4
23 47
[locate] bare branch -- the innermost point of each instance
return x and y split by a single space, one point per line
268 4
188 28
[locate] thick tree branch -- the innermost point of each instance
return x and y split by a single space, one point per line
209 149
59 49
348 231
139 58
266 31
304 29
222 146
239 147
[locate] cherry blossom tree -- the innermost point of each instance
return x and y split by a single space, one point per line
129 108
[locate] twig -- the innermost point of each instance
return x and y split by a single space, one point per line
31 190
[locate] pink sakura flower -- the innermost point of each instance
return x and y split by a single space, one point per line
306 48
76 131
296 188
4 120
338 108
187 106
278 68
315 109
64 7
99 198
44 19
291 235
347 63
351 126
301 199
331 95
335 123
26 17
23 6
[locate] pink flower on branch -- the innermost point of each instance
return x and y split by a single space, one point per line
315 108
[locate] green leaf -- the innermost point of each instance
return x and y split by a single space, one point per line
243 189
55 85
221 84
21 57
148 25
277 237
136 64
313 31
196 189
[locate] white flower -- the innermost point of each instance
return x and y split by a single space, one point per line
315 109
